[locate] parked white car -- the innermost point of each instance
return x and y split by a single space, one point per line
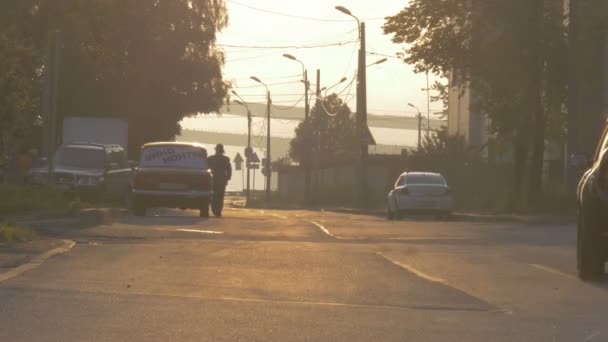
420 192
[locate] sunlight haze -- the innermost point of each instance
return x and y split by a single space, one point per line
391 85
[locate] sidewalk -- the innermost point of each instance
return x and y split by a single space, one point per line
12 256
475 217
457 216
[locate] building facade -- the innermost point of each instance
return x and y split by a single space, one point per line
463 119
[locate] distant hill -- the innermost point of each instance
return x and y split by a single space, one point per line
297 113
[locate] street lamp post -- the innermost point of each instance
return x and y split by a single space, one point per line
249 119
428 105
361 104
307 157
419 125
268 160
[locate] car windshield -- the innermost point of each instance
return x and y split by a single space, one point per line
424 179
174 156
80 157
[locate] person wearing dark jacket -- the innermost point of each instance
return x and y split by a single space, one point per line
222 172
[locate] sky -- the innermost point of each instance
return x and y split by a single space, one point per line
250 33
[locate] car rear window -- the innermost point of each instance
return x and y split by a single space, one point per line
174 156
424 179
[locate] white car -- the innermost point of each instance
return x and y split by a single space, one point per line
420 192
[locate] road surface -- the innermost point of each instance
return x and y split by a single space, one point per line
306 276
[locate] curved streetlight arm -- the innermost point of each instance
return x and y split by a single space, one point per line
350 14
293 58
260 82
242 102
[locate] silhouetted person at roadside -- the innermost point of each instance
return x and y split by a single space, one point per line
222 172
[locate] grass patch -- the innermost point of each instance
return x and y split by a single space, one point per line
12 234
16 200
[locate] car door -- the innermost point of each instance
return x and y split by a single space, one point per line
118 174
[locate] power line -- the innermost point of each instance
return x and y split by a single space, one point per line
290 107
270 84
295 16
267 77
273 95
382 54
288 46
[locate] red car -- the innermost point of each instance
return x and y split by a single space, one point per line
172 175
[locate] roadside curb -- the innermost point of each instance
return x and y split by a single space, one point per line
466 217
457 217
36 261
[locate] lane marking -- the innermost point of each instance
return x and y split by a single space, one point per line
37 261
443 282
273 215
374 306
413 270
553 271
592 336
199 231
328 233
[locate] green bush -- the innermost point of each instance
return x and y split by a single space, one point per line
21 200
11 234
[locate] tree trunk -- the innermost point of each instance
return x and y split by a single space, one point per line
535 103
520 161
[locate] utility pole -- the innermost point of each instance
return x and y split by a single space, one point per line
428 106
317 132
419 125
307 170
362 114
268 160
573 147
361 107
248 150
308 140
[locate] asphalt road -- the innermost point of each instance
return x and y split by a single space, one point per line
306 276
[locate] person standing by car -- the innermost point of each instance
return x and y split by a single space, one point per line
222 172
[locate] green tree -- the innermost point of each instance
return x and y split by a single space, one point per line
510 54
336 127
19 85
151 62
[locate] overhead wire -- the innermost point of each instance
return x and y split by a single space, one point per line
295 16
292 106
382 54
269 77
270 84
314 46
273 95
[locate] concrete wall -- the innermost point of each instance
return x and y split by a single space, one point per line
337 185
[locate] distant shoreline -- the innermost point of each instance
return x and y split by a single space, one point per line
297 113
279 146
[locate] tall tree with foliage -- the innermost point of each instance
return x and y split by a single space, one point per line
333 127
150 62
510 54
19 83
